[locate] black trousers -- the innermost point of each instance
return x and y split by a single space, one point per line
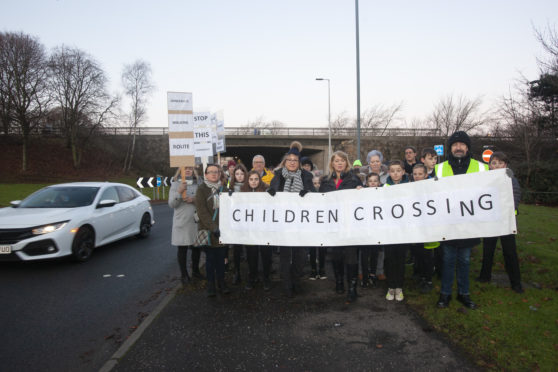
182 256
321 257
424 263
292 264
369 260
395 255
511 262
253 252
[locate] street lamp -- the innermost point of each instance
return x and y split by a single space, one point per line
358 79
328 117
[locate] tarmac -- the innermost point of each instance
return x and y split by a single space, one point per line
255 330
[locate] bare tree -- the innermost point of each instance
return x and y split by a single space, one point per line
452 114
23 84
519 118
261 126
340 124
78 86
378 118
138 85
549 41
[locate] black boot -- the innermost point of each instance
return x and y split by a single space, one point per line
339 286
237 279
223 287
352 271
211 290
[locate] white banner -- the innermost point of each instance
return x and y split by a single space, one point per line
202 135
457 207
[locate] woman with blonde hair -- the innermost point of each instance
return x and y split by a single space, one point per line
341 177
184 227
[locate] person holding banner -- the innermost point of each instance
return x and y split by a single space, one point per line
342 178
499 160
395 253
291 178
236 180
184 227
207 206
255 184
457 252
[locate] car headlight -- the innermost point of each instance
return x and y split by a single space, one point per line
45 229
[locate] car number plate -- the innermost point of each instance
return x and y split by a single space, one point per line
5 249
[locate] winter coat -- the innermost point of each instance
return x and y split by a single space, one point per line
278 181
204 207
184 228
348 181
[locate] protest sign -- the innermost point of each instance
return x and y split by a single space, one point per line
181 127
458 207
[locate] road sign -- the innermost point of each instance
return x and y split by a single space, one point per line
486 154
158 181
165 181
139 182
439 150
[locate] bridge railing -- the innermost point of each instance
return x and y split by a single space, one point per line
244 131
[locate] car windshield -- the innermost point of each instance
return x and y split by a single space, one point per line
61 197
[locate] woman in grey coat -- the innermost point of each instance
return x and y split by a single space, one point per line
184 227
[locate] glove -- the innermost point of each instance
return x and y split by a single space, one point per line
217 232
231 192
271 191
302 193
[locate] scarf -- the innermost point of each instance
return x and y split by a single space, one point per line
214 187
238 186
293 180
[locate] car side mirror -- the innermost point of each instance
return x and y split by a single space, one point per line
15 203
106 203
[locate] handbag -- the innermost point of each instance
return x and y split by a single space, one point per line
203 239
204 236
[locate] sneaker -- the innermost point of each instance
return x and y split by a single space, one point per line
266 285
390 295
314 275
399 294
322 274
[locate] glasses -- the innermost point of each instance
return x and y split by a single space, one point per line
292 160
258 162
212 172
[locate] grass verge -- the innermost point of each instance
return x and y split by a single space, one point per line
509 331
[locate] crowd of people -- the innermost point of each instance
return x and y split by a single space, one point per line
195 200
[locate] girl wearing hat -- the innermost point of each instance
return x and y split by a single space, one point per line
292 178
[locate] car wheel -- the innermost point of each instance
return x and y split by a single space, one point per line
84 243
145 226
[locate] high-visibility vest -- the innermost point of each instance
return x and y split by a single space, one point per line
445 170
431 245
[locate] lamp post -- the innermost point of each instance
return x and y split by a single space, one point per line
328 117
358 79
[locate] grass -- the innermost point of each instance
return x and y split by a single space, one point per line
19 191
509 331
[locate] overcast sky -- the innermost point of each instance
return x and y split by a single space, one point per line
257 58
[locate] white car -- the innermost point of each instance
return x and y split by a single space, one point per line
72 219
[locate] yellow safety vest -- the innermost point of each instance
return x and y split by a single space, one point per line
445 170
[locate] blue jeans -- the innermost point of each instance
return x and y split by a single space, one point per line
455 258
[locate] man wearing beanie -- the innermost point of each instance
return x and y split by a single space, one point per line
457 252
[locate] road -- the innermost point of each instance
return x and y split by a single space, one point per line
62 315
